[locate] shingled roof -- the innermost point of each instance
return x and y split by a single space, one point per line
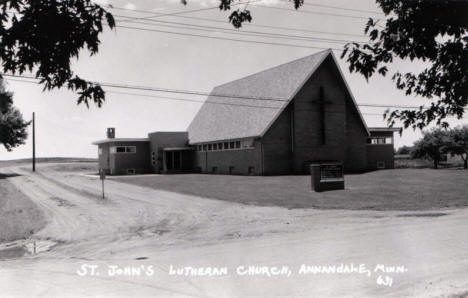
247 107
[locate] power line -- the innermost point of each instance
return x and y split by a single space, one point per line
157 15
213 37
287 1
248 24
171 14
337 7
229 39
302 11
166 90
169 98
243 32
192 100
275 27
201 93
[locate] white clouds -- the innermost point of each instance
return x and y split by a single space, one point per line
130 6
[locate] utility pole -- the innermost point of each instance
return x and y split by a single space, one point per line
33 143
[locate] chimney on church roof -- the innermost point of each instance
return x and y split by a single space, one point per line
111 133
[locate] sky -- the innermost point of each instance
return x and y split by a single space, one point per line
174 61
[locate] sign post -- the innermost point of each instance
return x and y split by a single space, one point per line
102 176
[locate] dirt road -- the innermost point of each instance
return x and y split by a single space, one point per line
149 232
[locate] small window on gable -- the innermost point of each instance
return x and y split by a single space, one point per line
120 149
130 149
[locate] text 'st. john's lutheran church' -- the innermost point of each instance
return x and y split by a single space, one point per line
274 122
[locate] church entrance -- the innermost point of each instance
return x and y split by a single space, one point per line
176 160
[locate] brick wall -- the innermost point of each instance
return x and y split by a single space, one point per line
309 145
277 153
284 150
356 140
380 152
235 162
376 153
345 136
139 161
161 139
104 158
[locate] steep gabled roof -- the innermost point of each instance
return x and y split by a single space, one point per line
247 107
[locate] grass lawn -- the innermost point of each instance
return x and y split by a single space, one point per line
19 216
398 189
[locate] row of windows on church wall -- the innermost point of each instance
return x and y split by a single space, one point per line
380 140
222 146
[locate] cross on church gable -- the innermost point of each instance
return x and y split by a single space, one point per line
322 104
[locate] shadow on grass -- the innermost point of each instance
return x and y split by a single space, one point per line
434 214
12 253
6 176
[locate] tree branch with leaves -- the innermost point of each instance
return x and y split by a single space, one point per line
43 36
430 31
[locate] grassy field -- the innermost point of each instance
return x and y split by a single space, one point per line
27 161
399 189
19 217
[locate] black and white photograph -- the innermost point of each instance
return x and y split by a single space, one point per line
234 148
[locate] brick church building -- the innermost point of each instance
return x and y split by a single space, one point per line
274 122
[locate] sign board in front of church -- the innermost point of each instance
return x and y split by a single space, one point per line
331 172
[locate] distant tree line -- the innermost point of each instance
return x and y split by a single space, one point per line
437 143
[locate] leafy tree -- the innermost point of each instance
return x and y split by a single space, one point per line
458 144
42 36
431 146
12 126
404 150
431 31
